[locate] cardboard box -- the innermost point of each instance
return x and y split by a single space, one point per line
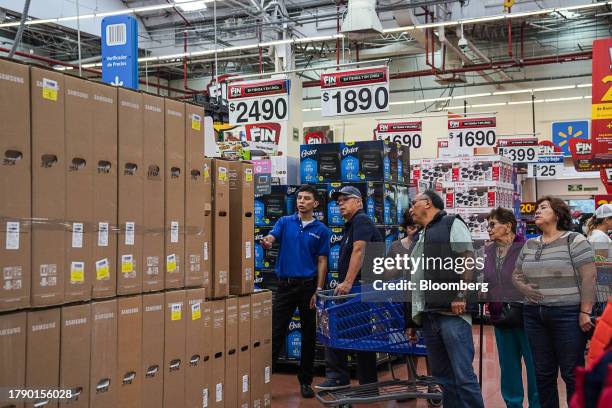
13 329
48 187
103 383
334 218
221 243
16 183
105 190
207 226
242 262
270 207
293 343
129 351
231 352
75 354
265 367
217 387
153 222
131 188
244 352
335 241
153 307
197 198
43 353
174 349
381 202
389 234
207 320
320 163
79 171
374 160
194 349
256 348
175 193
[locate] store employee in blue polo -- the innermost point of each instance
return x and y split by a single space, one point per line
301 268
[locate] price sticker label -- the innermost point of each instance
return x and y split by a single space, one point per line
473 132
50 89
196 122
405 133
258 101
77 272
175 311
102 269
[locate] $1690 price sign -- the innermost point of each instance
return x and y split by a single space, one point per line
473 132
405 133
354 92
258 101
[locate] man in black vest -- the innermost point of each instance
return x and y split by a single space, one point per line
447 327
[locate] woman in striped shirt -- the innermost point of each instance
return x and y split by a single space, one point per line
556 273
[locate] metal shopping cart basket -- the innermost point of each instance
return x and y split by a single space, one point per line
345 322
603 287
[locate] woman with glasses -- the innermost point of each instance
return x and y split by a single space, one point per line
505 311
556 274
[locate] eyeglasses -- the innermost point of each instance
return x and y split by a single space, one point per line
342 200
413 202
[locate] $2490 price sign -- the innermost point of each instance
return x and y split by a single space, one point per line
258 101
473 132
405 133
354 92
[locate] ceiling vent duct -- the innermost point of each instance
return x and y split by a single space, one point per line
361 19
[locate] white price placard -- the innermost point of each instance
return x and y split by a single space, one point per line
472 132
258 102
405 133
355 91
545 170
520 154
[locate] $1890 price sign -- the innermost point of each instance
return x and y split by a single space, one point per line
258 101
354 92
473 132
405 133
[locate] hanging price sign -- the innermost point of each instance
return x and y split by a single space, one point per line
258 101
473 132
354 92
547 167
519 150
405 133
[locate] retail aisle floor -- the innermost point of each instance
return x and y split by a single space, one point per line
286 392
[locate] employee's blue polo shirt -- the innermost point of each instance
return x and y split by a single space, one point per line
300 246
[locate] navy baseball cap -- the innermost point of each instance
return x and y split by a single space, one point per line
348 191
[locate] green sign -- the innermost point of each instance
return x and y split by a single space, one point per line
574 187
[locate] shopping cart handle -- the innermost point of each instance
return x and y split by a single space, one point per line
325 295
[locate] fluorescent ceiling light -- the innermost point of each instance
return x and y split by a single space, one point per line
588 97
446 98
521 102
455 107
579 7
529 13
277 42
512 92
482 105
554 88
472 96
483 19
584 85
402 103
571 98
187 5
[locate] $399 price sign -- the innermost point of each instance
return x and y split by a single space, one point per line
473 132
258 101
405 133
519 150
354 92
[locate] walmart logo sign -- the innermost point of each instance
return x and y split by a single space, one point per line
562 132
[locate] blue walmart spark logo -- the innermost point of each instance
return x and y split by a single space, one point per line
562 132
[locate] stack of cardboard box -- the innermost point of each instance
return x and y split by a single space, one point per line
118 280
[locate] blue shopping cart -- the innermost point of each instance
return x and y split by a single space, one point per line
346 322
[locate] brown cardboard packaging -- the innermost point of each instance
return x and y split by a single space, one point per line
217 388
16 183
244 352
153 307
103 382
105 191
196 210
231 352
266 351
49 234
241 227
129 351
256 349
13 329
175 193
131 182
153 249
207 227
79 171
75 354
207 318
221 244
174 349
194 349
43 352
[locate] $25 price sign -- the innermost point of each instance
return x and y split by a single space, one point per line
472 132
354 92
258 101
405 133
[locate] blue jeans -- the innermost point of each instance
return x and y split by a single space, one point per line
512 346
557 343
450 350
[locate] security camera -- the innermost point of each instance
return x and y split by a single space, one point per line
462 43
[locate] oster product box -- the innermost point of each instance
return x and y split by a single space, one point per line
13 329
175 194
75 354
153 190
381 203
131 187
402 200
320 163
49 233
335 240
129 351
270 207
105 188
294 337
217 392
197 198
231 352
219 286
207 359
242 256
403 164
15 182
79 172
174 349
244 352
194 349
103 381
43 353
388 234
152 367
334 218
374 160
265 259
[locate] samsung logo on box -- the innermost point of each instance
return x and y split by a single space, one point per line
104 316
101 98
130 105
12 78
306 153
46 326
129 311
155 308
75 322
174 113
78 94
10 331
153 108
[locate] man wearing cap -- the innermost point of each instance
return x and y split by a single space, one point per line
358 231
599 226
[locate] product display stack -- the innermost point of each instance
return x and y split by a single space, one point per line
127 256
